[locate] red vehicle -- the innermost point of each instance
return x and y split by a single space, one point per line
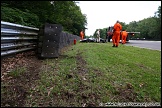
110 34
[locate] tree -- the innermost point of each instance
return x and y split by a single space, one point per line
66 13
124 25
158 23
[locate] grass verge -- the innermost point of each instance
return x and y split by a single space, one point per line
88 74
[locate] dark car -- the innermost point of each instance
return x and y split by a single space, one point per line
102 40
88 40
93 40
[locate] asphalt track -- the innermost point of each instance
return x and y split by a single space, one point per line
153 45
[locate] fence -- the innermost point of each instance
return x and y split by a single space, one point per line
48 40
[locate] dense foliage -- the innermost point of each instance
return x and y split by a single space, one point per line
69 15
37 13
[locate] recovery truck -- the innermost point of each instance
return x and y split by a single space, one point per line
110 34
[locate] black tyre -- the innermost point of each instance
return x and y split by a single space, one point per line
128 38
109 38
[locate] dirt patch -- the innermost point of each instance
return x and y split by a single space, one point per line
81 63
16 88
89 99
125 93
143 66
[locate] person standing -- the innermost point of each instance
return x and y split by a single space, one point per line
110 33
124 36
116 34
81 35
106 35
98 35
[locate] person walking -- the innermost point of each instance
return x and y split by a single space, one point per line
98 35
81 35
116 34
124 36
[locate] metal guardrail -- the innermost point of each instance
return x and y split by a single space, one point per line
16 38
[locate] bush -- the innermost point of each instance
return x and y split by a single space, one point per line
17 16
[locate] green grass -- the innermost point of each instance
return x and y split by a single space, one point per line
93 73
109 72
17 71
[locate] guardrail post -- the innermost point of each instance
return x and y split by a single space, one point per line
49 40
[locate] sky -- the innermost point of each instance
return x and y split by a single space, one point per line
102 14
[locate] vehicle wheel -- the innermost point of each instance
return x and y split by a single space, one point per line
109 39
128 38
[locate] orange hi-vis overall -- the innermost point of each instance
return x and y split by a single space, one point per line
116 34
81 35
124 36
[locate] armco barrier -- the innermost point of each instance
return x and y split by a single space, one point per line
16 38
47 40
